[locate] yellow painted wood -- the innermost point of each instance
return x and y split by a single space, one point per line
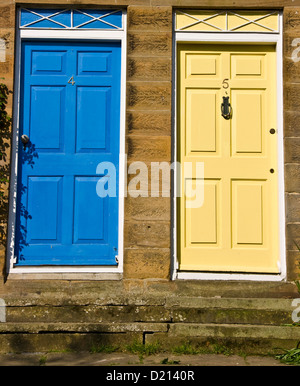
227 21
237 227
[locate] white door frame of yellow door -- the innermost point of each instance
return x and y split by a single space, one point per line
246 38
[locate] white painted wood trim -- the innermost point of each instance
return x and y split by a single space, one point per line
71 34
65 34
228 37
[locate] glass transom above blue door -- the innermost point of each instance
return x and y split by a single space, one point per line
43 18
70 111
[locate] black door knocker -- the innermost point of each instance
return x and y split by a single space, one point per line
226 108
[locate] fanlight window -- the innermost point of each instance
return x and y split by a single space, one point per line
227 21
71 19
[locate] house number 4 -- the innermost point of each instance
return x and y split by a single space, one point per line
71 81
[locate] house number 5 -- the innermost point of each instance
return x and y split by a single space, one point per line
71 81
225 83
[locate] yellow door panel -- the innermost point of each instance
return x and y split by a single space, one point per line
247 121
202 66
202 222
201 108
247 65
247 213
235 226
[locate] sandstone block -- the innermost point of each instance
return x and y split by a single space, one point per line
291 19
147 234
292 149
147 263
293 207
291 124
292 178
148 68
149 95
150 18
150 43
293 265
293 237
291 96
149 123
148 208
149 149
7 19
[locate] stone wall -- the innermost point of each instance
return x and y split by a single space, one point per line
291 87
149 93
148 220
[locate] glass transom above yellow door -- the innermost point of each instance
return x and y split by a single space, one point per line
227 21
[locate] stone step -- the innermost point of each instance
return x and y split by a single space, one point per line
41 337
266 311
234 338
173 310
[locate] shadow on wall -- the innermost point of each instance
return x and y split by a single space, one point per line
5 137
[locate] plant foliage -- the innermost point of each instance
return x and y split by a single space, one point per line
5 133
291 357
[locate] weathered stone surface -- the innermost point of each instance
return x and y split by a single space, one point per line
291 124
293 265
149 148
292 178
88 313
291 95
291 70
226 316
291 19
117 327
149 123
293 207
63 341
7 16
95 3
149 96
237 4
147 234
147 68
147 263
292 149
293 237
150 43
150 18
149 179
147 208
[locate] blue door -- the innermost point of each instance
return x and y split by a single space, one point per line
70 111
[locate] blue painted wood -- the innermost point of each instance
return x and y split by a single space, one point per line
70 100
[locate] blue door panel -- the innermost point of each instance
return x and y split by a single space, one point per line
89 220
47 101
48 62
95 103
70 101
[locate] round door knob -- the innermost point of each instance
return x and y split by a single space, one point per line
24 140
272 131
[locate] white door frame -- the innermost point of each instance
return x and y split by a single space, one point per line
233 37
81 272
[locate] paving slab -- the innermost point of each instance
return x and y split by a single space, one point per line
125 359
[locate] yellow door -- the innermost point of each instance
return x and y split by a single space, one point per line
235 229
